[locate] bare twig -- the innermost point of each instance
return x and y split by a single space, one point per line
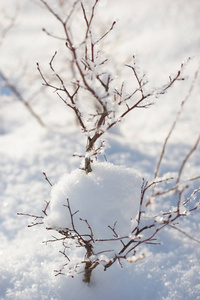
46 178
185 233
35 219
104 119
19 96
175 121
30 215
187 157
91 81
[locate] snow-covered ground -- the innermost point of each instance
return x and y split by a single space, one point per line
162 34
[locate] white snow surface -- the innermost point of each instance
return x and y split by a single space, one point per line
107 195
163 34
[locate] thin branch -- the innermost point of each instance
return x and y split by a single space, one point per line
191 196
45 209
46 178
140 81
72 11
91 19
52 35
19 96
187 157
30 215
89 227
176 120
186 234
52 11
106 33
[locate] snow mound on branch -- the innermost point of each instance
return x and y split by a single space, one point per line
103 197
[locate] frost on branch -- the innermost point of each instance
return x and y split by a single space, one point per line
97 99
104 213
95 210
104 217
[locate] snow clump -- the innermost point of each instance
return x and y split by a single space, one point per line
108 195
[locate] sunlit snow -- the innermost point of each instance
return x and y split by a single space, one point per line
162 34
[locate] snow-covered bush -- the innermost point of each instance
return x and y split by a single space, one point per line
104 213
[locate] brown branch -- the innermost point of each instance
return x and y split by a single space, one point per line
175 121
84 15
29 215
91 18
46 178
89 227
52 11
53 36
19 96
45 209
139 81
187 157
106 33
55 239
185 233
191 196
33 216
72 11
115 233
63 89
